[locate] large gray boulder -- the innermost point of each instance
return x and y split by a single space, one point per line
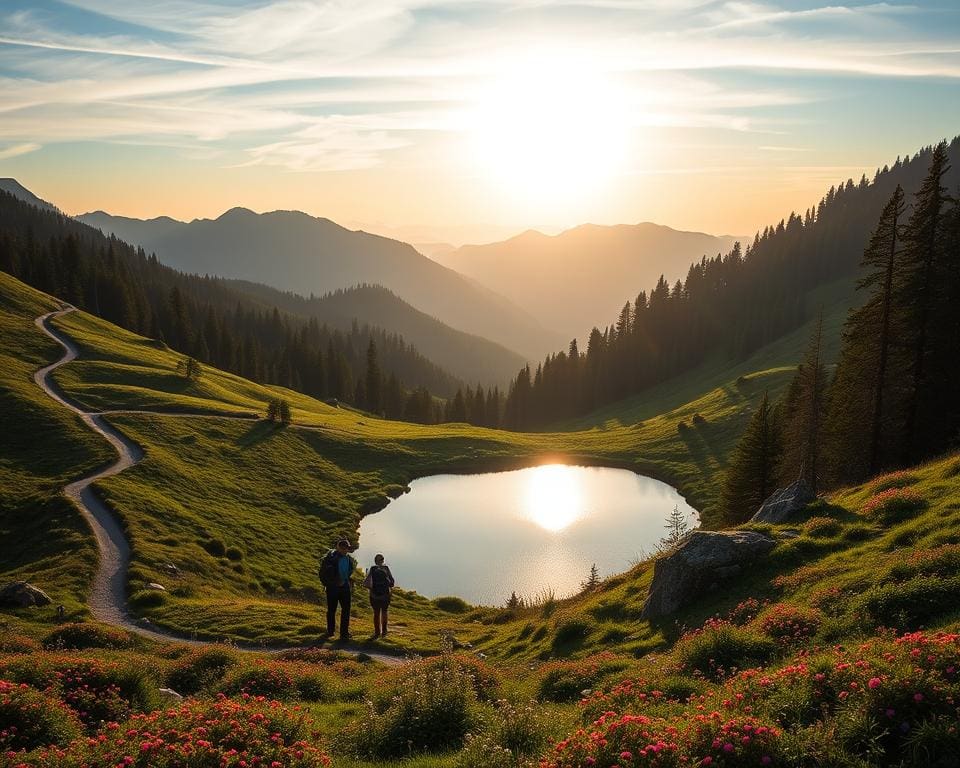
20 594
785 503
702 560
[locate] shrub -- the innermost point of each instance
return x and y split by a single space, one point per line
894 505
822 527
900 479
214 546
148 598
429 708
910 603
513 735
570 631
29 719
746 611
711 740
95 689
82 636
201 669
199 734
452 604
789 623
720 647
264 678
18 644
698 420
562 681
234 553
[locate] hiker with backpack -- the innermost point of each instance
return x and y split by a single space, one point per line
379 581
336 568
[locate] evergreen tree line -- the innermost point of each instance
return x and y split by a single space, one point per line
730 305
892 400
207 319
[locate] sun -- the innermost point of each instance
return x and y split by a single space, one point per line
553 498
548 130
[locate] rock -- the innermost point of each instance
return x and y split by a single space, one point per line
156 587
702 559
169 695
171 569
20 594
785 503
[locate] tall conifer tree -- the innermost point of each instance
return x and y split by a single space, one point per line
861 414
752 472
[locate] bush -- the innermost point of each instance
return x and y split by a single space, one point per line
563 681
569 632
429 708
271 680
148 598
234 553
215 547
18 644
822 527
29 719
201 669
789 623
908 604
199 734
720 647
900 479
82 636
894 505
95 689
512 737
452 604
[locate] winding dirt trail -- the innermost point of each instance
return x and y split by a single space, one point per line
107 600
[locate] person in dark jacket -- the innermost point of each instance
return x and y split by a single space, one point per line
380 582
339 588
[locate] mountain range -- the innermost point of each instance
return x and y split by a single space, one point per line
293 251
580 278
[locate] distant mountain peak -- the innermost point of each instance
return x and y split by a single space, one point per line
13 187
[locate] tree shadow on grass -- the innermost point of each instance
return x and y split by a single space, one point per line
258 432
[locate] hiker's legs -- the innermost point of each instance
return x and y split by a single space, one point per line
332 609
377 613
344 611
383 619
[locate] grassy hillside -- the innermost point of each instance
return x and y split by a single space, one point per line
42 447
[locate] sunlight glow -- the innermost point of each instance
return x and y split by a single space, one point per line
553 498
550 130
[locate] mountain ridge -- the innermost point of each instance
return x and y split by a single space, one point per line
597 260
313 255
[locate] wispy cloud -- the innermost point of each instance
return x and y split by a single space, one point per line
315 85
18 149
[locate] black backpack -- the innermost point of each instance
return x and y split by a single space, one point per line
379 582
330 569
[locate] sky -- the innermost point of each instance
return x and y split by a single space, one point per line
464 121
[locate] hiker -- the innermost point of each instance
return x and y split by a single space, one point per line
379 581
335 570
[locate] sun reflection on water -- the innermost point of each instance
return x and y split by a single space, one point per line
553 498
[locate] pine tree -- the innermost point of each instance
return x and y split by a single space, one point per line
804 415
752 471
921 266
374 380
592 581
283 412
676 525
860 415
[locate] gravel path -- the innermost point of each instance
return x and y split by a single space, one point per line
107 600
